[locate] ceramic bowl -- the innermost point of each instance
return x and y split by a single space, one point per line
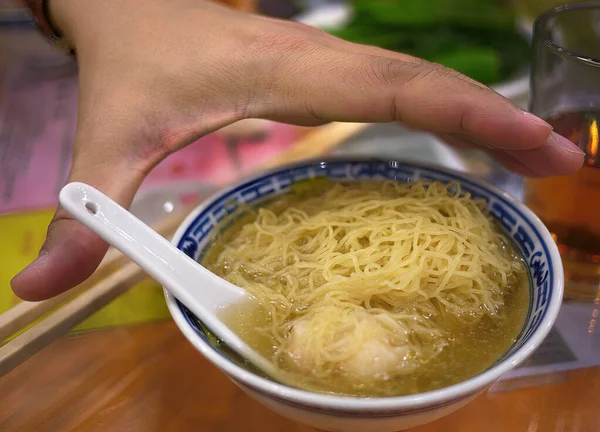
351 414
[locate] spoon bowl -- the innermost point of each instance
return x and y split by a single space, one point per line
201 291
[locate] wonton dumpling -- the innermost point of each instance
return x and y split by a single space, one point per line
360 346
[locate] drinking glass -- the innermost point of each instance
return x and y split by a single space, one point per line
530 9
565 91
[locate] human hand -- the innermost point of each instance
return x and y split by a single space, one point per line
155 75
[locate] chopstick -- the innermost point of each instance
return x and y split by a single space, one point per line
26 313
317 143
58 324
115 274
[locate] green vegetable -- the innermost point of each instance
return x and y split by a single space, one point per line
475 37
416 13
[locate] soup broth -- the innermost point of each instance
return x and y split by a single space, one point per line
328 316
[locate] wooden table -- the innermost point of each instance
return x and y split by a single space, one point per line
149 378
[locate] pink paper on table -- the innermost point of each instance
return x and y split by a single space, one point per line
218 159
37 124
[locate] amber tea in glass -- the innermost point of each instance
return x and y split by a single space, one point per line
565 91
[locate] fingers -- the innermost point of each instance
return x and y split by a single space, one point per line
316 84
514 165
71 252
539 162
69 255
463 142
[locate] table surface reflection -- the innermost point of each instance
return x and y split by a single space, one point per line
149 378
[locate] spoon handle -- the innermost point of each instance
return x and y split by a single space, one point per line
169 266
197 288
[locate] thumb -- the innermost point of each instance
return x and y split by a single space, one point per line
72 252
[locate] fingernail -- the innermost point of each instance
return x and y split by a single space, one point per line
536 120
564 144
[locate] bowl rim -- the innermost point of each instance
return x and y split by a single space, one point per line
307 399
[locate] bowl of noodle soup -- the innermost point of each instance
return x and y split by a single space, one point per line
390 293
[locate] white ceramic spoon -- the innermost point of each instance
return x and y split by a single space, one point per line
201 291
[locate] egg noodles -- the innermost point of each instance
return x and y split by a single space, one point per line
363 285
